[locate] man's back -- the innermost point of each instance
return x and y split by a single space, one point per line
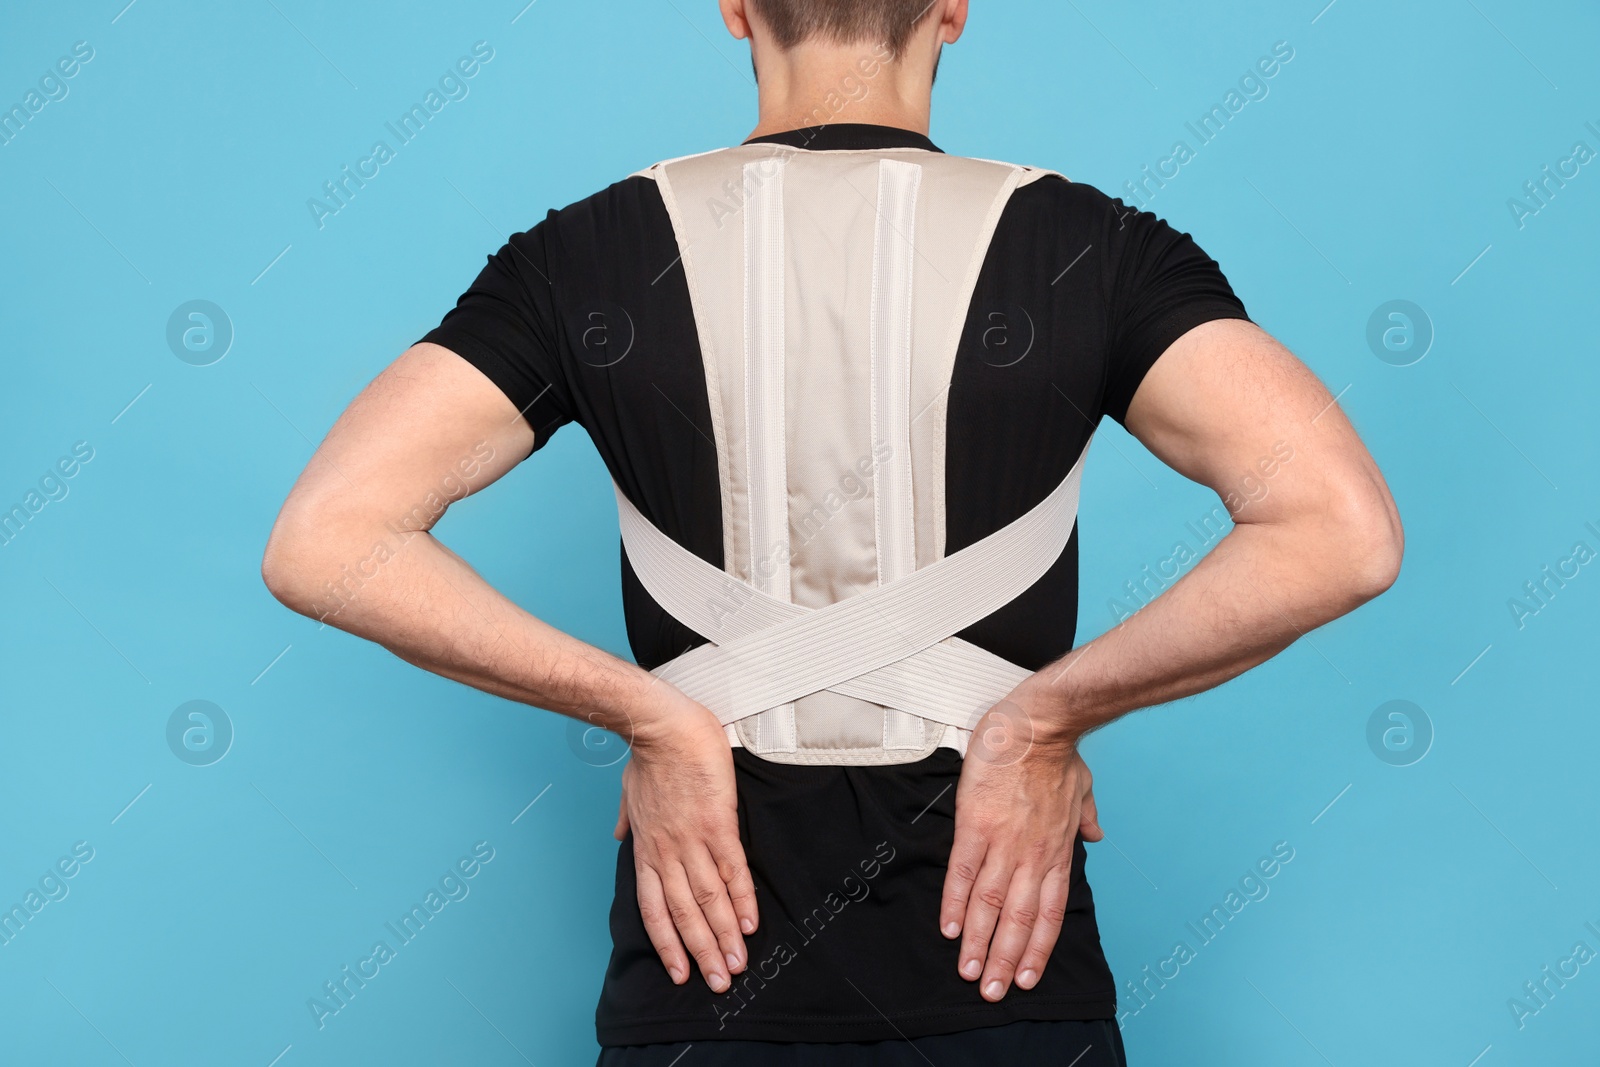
840 380
1036 306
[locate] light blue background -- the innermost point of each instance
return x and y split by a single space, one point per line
178 167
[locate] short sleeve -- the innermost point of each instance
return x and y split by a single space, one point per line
1162 285
505 325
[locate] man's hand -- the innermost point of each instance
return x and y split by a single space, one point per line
429 430
678 797
1316 534
1022 800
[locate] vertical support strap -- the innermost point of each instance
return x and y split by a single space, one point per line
766 460
894 517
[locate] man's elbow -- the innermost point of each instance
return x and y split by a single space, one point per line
1372 543
287 568
278 574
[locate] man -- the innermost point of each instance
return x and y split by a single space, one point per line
817 366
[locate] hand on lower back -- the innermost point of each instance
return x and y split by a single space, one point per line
1019 807
679 799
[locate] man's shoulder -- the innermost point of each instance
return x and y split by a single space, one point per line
1042 189
1041 193
625 205
639 185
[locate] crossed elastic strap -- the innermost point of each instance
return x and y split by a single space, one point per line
891 644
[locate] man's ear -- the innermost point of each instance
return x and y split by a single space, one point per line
954 21
738 22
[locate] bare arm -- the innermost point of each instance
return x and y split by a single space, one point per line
352 547
1225 405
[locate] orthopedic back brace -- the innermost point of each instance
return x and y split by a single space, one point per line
831 631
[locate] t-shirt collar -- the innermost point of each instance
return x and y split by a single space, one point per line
848 136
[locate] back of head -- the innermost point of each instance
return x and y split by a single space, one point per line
886 22
811 54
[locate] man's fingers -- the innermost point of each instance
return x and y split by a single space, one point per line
691 925
966 859
1089 818
1052 912
711 894
621 832
658 924
983 912
1012 935
735 874
1088 812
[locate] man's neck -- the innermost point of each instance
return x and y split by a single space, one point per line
820 85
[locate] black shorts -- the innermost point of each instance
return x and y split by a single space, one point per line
1037 1044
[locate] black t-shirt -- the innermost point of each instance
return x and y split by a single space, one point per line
586 318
